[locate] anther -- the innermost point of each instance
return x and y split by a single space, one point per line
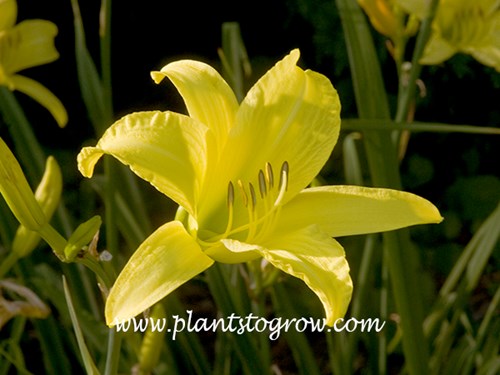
262 184
283 186
252 194
269 175
230 194
284 176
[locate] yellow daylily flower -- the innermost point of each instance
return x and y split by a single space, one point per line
27 44
461 26
240 174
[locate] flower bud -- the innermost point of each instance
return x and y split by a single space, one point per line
47 195
82 237
17 192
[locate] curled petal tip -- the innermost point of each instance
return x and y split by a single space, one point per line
87 159
157 76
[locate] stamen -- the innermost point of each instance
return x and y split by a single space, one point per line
252 194
243 193
230 194
283 183
262 184
269 175
230 205
284 172
252 227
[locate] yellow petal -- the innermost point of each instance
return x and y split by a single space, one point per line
208 98
43 96
164 261
351 210
437 50
31 43
166 149
316 259
489 56
289 115
8 14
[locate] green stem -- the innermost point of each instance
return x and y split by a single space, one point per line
407 87
114 338
113 353
96 267
54 239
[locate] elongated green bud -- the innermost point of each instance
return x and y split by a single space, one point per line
17 192
47 195
81 237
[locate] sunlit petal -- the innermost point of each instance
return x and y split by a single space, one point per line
163 262
166 149
42 95
208 98
289 115
316 259
351 210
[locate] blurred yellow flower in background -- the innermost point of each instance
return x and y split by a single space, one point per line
24 45
461 26
382 16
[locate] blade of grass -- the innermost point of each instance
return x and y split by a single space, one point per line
461 282
11 351
354 176
89 364
415 126
88 77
